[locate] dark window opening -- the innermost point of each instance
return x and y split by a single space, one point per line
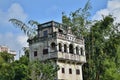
60 47
65 48
53 46
63 70
70 71
81 50
77 50
77 71
60 31
35 53
71 48
45 33
45 51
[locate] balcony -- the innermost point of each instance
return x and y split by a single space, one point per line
69 38
65 57
58 36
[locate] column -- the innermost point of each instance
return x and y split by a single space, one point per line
48 49
67 48
57 47
79 50
74 49
83 51
62 47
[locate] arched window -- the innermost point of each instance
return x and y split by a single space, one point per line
53 46
77 50
71 48
65 48
81 50
60 47
60 30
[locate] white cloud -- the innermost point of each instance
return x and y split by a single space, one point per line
113 8
15 11
14 40
114 4
22 39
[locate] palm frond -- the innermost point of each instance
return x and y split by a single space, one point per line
33 23
26 29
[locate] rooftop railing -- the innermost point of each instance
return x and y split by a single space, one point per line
58 36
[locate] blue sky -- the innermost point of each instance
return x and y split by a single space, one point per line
43 11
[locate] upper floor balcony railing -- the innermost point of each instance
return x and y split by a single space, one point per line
65 57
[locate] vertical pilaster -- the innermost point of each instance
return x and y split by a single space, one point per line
62 47
74 49
67 48
79 51
49 49
57 47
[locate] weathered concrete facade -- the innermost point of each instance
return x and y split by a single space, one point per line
56 42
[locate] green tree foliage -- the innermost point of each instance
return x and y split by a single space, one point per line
6 57
101 44
110 70
13 70
21 68
101 48
6 69
78 20
44 70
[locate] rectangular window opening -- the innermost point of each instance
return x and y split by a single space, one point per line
35 53
45 51
63 70
77 71
70 71
45 33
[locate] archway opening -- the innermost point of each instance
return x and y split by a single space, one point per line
71 48
53 46
65 48
81 51
77 50
60 47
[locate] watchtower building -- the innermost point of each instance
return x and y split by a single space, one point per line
56 42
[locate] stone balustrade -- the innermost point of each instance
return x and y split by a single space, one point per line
65 56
